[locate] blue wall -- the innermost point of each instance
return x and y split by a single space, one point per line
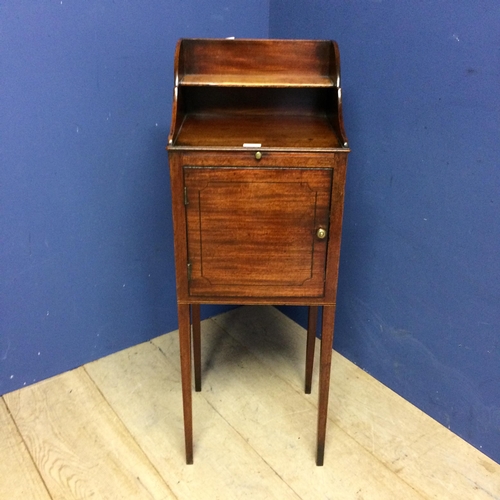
419 293
86 259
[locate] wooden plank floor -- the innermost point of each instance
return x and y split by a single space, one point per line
112 429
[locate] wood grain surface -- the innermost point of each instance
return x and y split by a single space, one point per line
19 477
80 447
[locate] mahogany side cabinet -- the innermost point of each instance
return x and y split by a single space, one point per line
257 156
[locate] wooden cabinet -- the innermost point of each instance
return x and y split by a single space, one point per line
258 155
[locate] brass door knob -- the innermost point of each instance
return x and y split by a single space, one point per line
321 233
258 155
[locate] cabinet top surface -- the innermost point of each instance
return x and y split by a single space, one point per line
274 131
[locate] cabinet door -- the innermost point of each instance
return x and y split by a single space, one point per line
252 232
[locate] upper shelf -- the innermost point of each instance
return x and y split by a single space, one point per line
257 63
268 80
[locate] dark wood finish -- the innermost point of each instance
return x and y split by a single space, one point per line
311 340
327 324
258 155
215 60
185 351
195 323
246 236
277 131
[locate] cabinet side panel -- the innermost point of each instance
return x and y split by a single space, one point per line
335 231
179 224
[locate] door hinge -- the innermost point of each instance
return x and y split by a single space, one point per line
186 201
189 270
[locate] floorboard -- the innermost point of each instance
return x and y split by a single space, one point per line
422 452
143 386
113 428
280 424
78 444
19 478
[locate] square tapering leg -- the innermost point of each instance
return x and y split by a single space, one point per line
185 350
311 340
324 378
195 320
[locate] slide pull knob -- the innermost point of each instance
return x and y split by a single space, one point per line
321 233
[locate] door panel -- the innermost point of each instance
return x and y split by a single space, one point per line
252 231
